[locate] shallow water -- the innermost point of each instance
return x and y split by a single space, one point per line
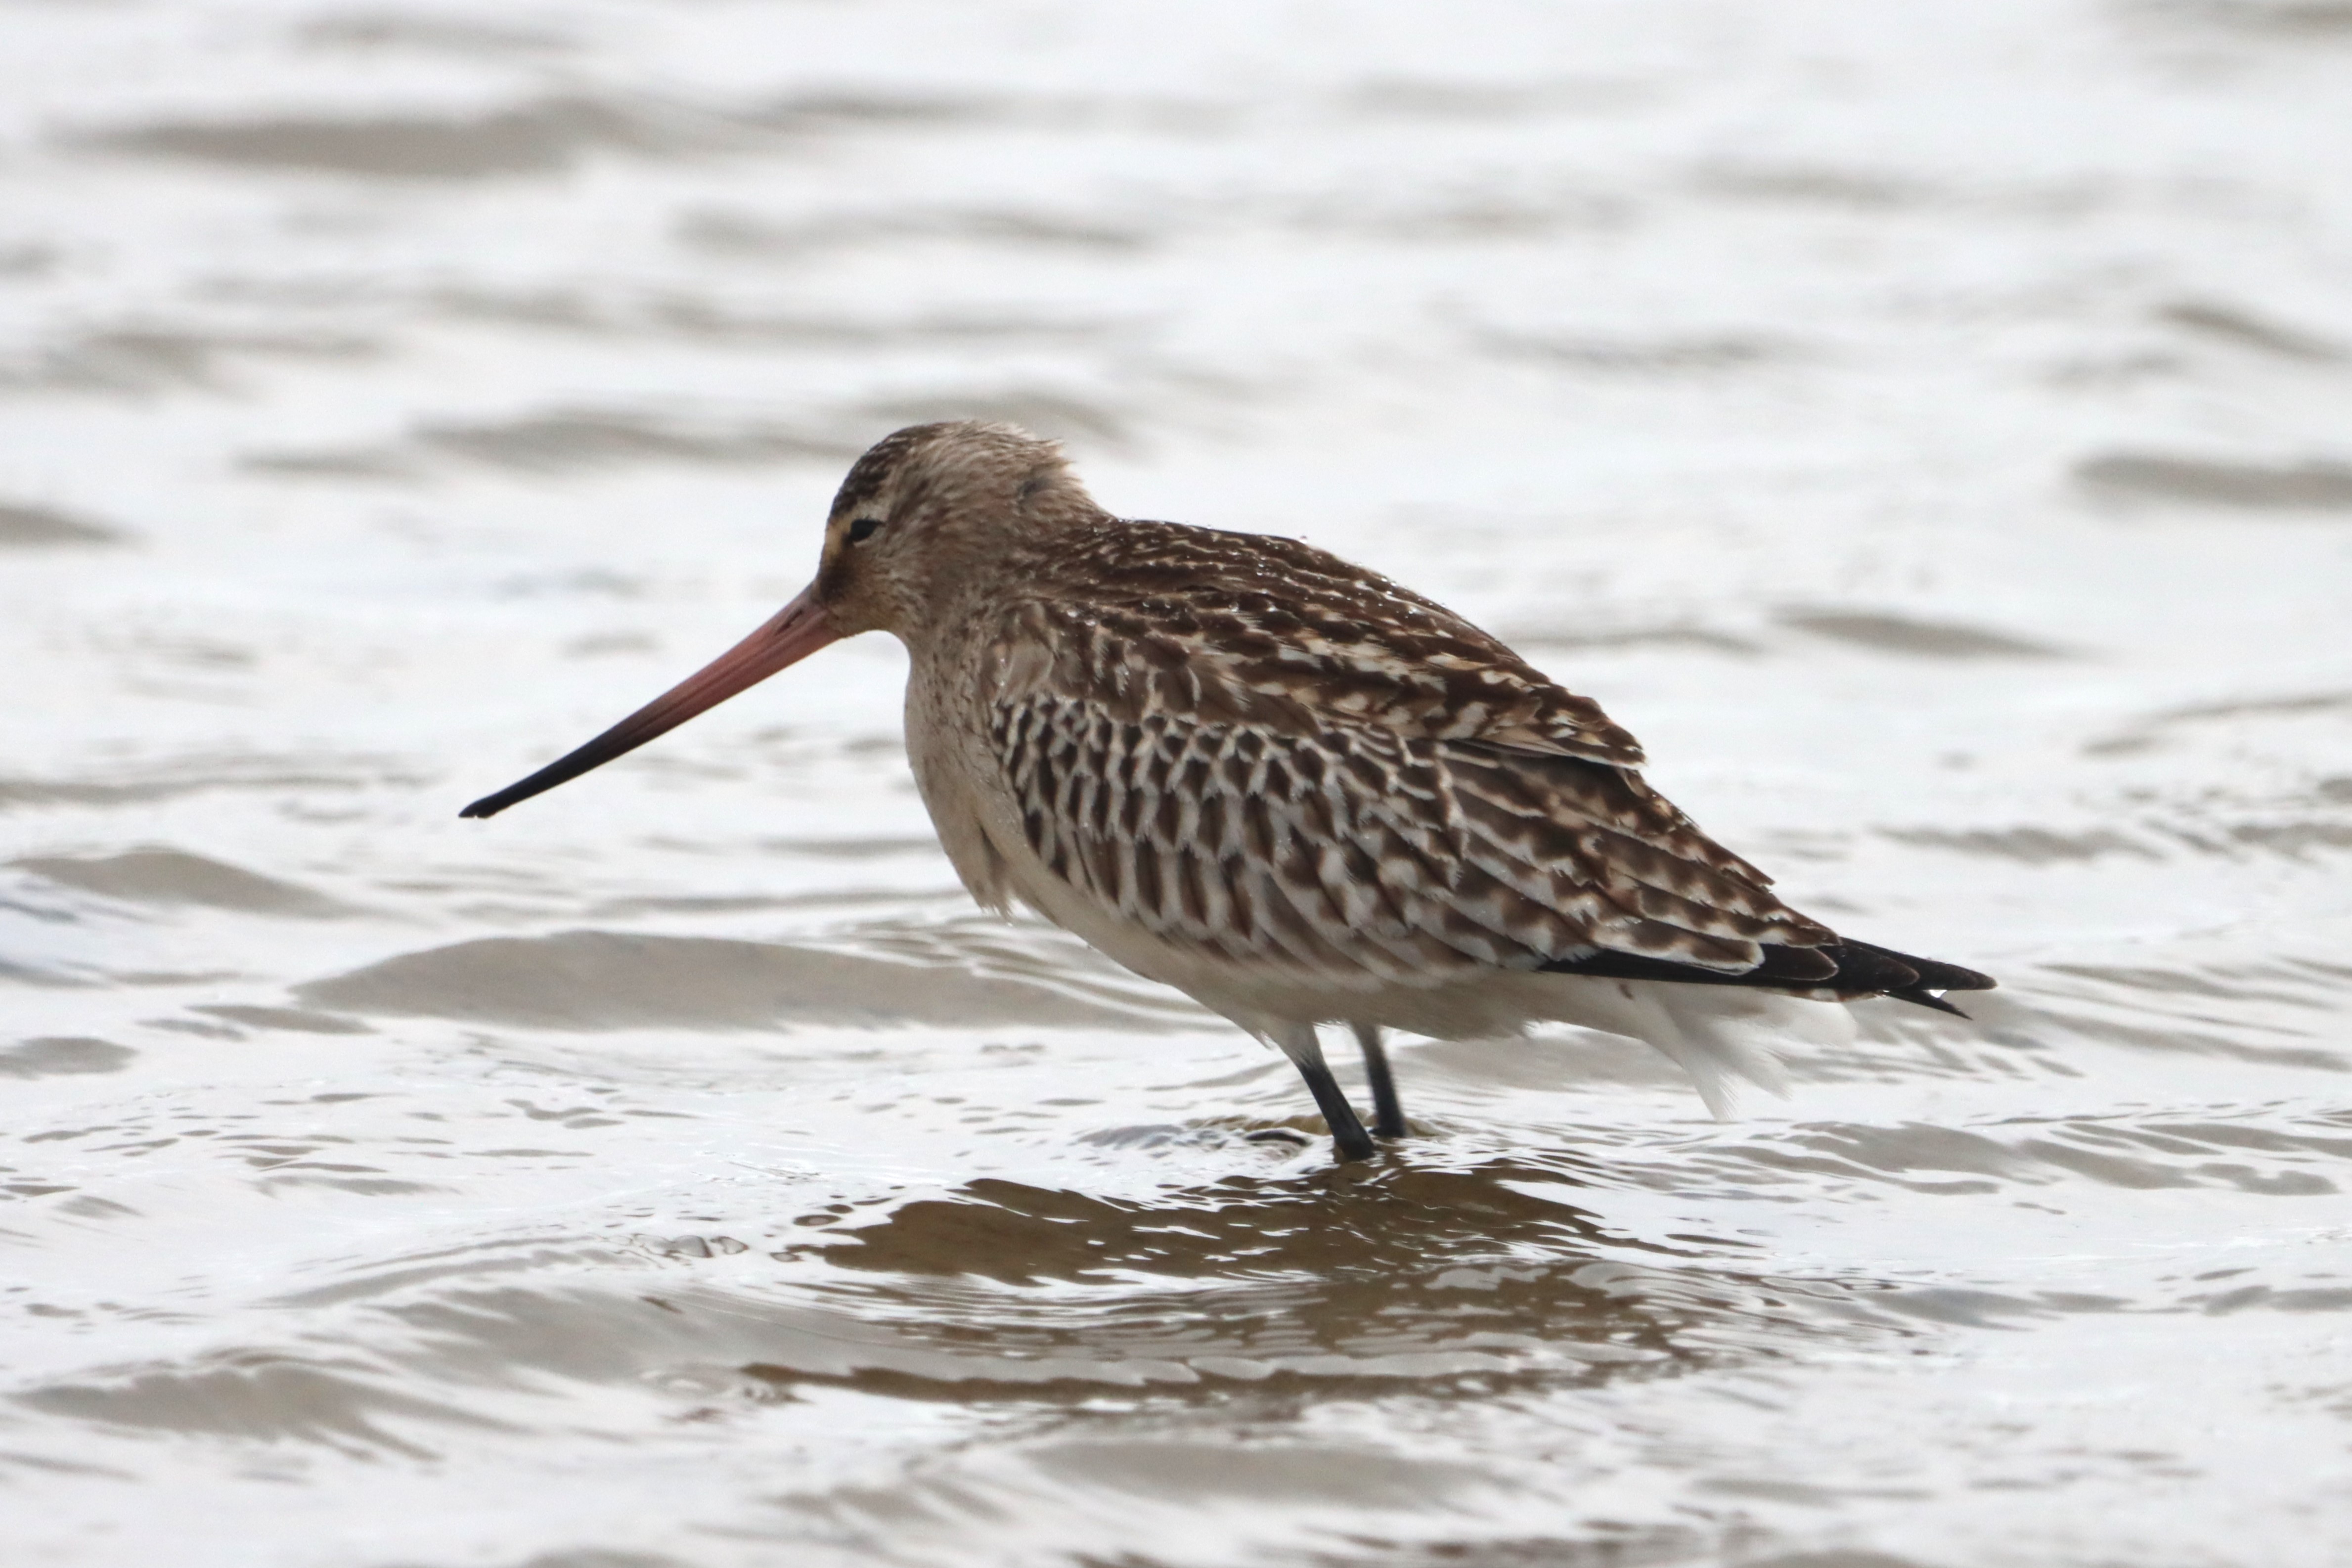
1926 428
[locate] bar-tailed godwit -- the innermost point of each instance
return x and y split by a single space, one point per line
1280 782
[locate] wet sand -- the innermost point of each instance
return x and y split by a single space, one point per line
1927 432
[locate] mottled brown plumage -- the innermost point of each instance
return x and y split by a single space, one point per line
1343 779
1278 782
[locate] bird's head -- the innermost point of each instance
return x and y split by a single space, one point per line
926 515
930 512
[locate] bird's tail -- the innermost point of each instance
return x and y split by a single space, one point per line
1866 971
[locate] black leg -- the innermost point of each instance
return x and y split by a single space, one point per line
1348 1139
1388 1111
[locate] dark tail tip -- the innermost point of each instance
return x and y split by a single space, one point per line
1921 997
1885 969
1916 981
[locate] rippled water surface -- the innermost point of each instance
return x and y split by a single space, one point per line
1928 427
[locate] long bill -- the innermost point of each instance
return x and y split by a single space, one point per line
798 630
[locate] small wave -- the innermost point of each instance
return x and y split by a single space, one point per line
1508 215
256 1394
608 980
60 1055
137 783
2153 729
174 876
563 440
707 320
295 1020
445 35
27 527
572 439
2027 846
2245 329
851 107
2279 1010
549 135
541 137
151 358
1882 632
1287 1474
2313 486
1055 414
2298 705
2295 20
2140 1155
1434 99
736 233
2290 835
1676 638
2308 987
1660 355
586 437
2294 839
1867 190
1027 951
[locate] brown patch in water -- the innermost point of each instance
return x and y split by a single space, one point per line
1394 1217
1342 1278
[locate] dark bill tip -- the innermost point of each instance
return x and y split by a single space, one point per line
799 629
491 805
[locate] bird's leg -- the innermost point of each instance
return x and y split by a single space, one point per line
1388 1111
1348 1139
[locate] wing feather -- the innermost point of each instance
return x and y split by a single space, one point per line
1342 777
1358 850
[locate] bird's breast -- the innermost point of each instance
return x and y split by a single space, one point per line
971 806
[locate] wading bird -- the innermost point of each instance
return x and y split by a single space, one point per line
1280 782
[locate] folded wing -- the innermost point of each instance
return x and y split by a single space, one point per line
1363 851
1350 781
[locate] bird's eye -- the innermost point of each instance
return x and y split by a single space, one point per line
863 529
